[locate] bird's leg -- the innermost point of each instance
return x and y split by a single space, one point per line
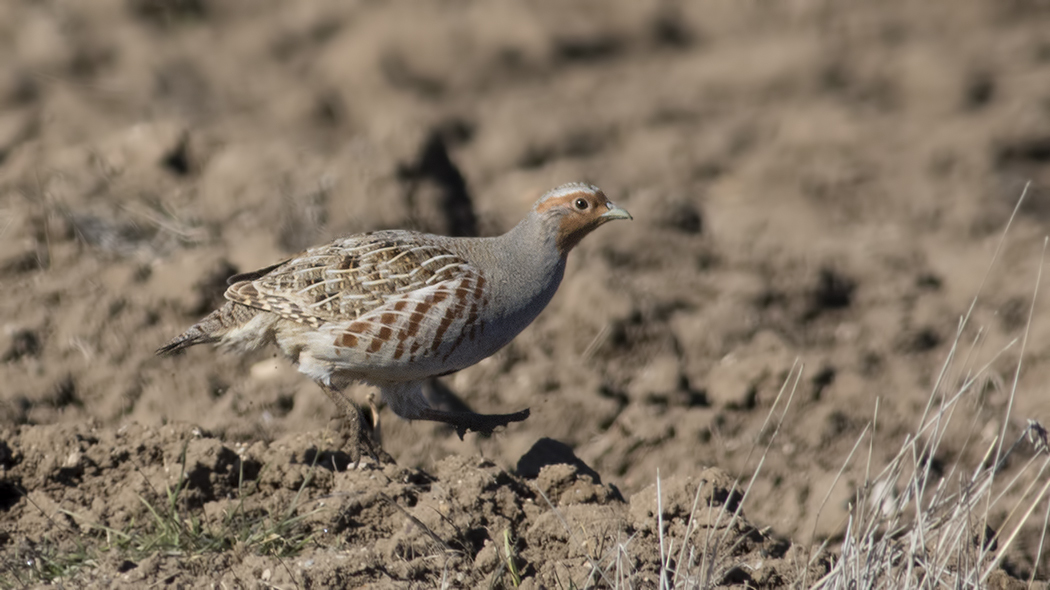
464 421
406 399
360 439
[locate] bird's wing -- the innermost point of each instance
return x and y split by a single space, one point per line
413 334
353 277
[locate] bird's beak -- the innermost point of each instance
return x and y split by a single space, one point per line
615 212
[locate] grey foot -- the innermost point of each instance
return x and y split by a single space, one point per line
466 421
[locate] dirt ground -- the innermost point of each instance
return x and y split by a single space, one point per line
811 181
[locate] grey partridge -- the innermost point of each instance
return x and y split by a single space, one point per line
393 308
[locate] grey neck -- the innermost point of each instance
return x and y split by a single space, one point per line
537 265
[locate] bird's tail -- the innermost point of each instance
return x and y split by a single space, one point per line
210 329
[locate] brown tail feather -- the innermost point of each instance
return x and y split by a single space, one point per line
210 329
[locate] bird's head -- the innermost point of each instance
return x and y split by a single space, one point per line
574 210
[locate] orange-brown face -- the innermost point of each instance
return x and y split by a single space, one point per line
578 210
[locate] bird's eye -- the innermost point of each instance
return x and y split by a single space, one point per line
581 204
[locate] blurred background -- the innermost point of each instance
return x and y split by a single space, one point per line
812 181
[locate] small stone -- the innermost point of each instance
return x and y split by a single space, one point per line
73 459
487 559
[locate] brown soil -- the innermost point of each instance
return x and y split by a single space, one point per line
818 181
